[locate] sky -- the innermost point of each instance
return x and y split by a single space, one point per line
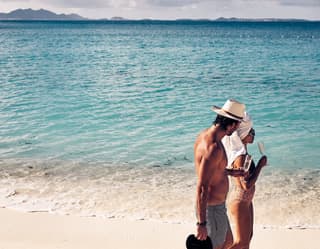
174 9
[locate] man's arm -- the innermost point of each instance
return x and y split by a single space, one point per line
236 170
205 172
202 190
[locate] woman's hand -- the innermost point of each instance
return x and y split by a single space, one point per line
263 161
246 176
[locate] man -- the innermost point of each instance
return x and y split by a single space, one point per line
213 185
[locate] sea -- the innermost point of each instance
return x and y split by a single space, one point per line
99 118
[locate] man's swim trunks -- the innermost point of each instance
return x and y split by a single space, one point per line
217 224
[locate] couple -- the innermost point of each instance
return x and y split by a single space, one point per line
213 185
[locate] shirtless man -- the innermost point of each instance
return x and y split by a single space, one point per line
213 185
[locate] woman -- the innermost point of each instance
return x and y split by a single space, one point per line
240 207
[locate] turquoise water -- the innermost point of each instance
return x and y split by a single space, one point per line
78 98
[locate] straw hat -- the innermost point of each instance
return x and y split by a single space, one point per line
231 109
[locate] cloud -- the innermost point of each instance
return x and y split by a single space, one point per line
9 1
183 3
173 3
92 4
62 3
300 2
79 3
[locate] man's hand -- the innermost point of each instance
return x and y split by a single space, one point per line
202 233
235 172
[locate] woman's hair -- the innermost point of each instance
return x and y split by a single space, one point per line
224 121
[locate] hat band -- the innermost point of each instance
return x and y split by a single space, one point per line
231 114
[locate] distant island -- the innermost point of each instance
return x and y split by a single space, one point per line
46 15
42 14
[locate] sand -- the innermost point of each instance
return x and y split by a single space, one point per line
44 230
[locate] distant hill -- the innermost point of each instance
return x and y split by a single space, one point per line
234 19
117 18
30 14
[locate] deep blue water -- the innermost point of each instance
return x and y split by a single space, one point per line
138 93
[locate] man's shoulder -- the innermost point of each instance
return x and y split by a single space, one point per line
214 149
206 148
200 138
203 132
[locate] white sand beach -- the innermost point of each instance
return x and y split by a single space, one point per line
44 230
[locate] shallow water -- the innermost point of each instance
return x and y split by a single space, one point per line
283 198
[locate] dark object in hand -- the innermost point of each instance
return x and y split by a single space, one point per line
193 243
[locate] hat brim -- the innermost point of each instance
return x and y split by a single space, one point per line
221 112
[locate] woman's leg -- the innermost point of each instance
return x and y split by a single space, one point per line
251 219
241 216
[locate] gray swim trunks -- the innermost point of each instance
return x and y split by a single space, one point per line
217 224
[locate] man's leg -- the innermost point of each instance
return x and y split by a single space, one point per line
229 240
218 226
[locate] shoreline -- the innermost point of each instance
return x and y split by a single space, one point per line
45 230
40 185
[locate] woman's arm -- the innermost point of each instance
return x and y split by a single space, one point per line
237 164
248 181
252 178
